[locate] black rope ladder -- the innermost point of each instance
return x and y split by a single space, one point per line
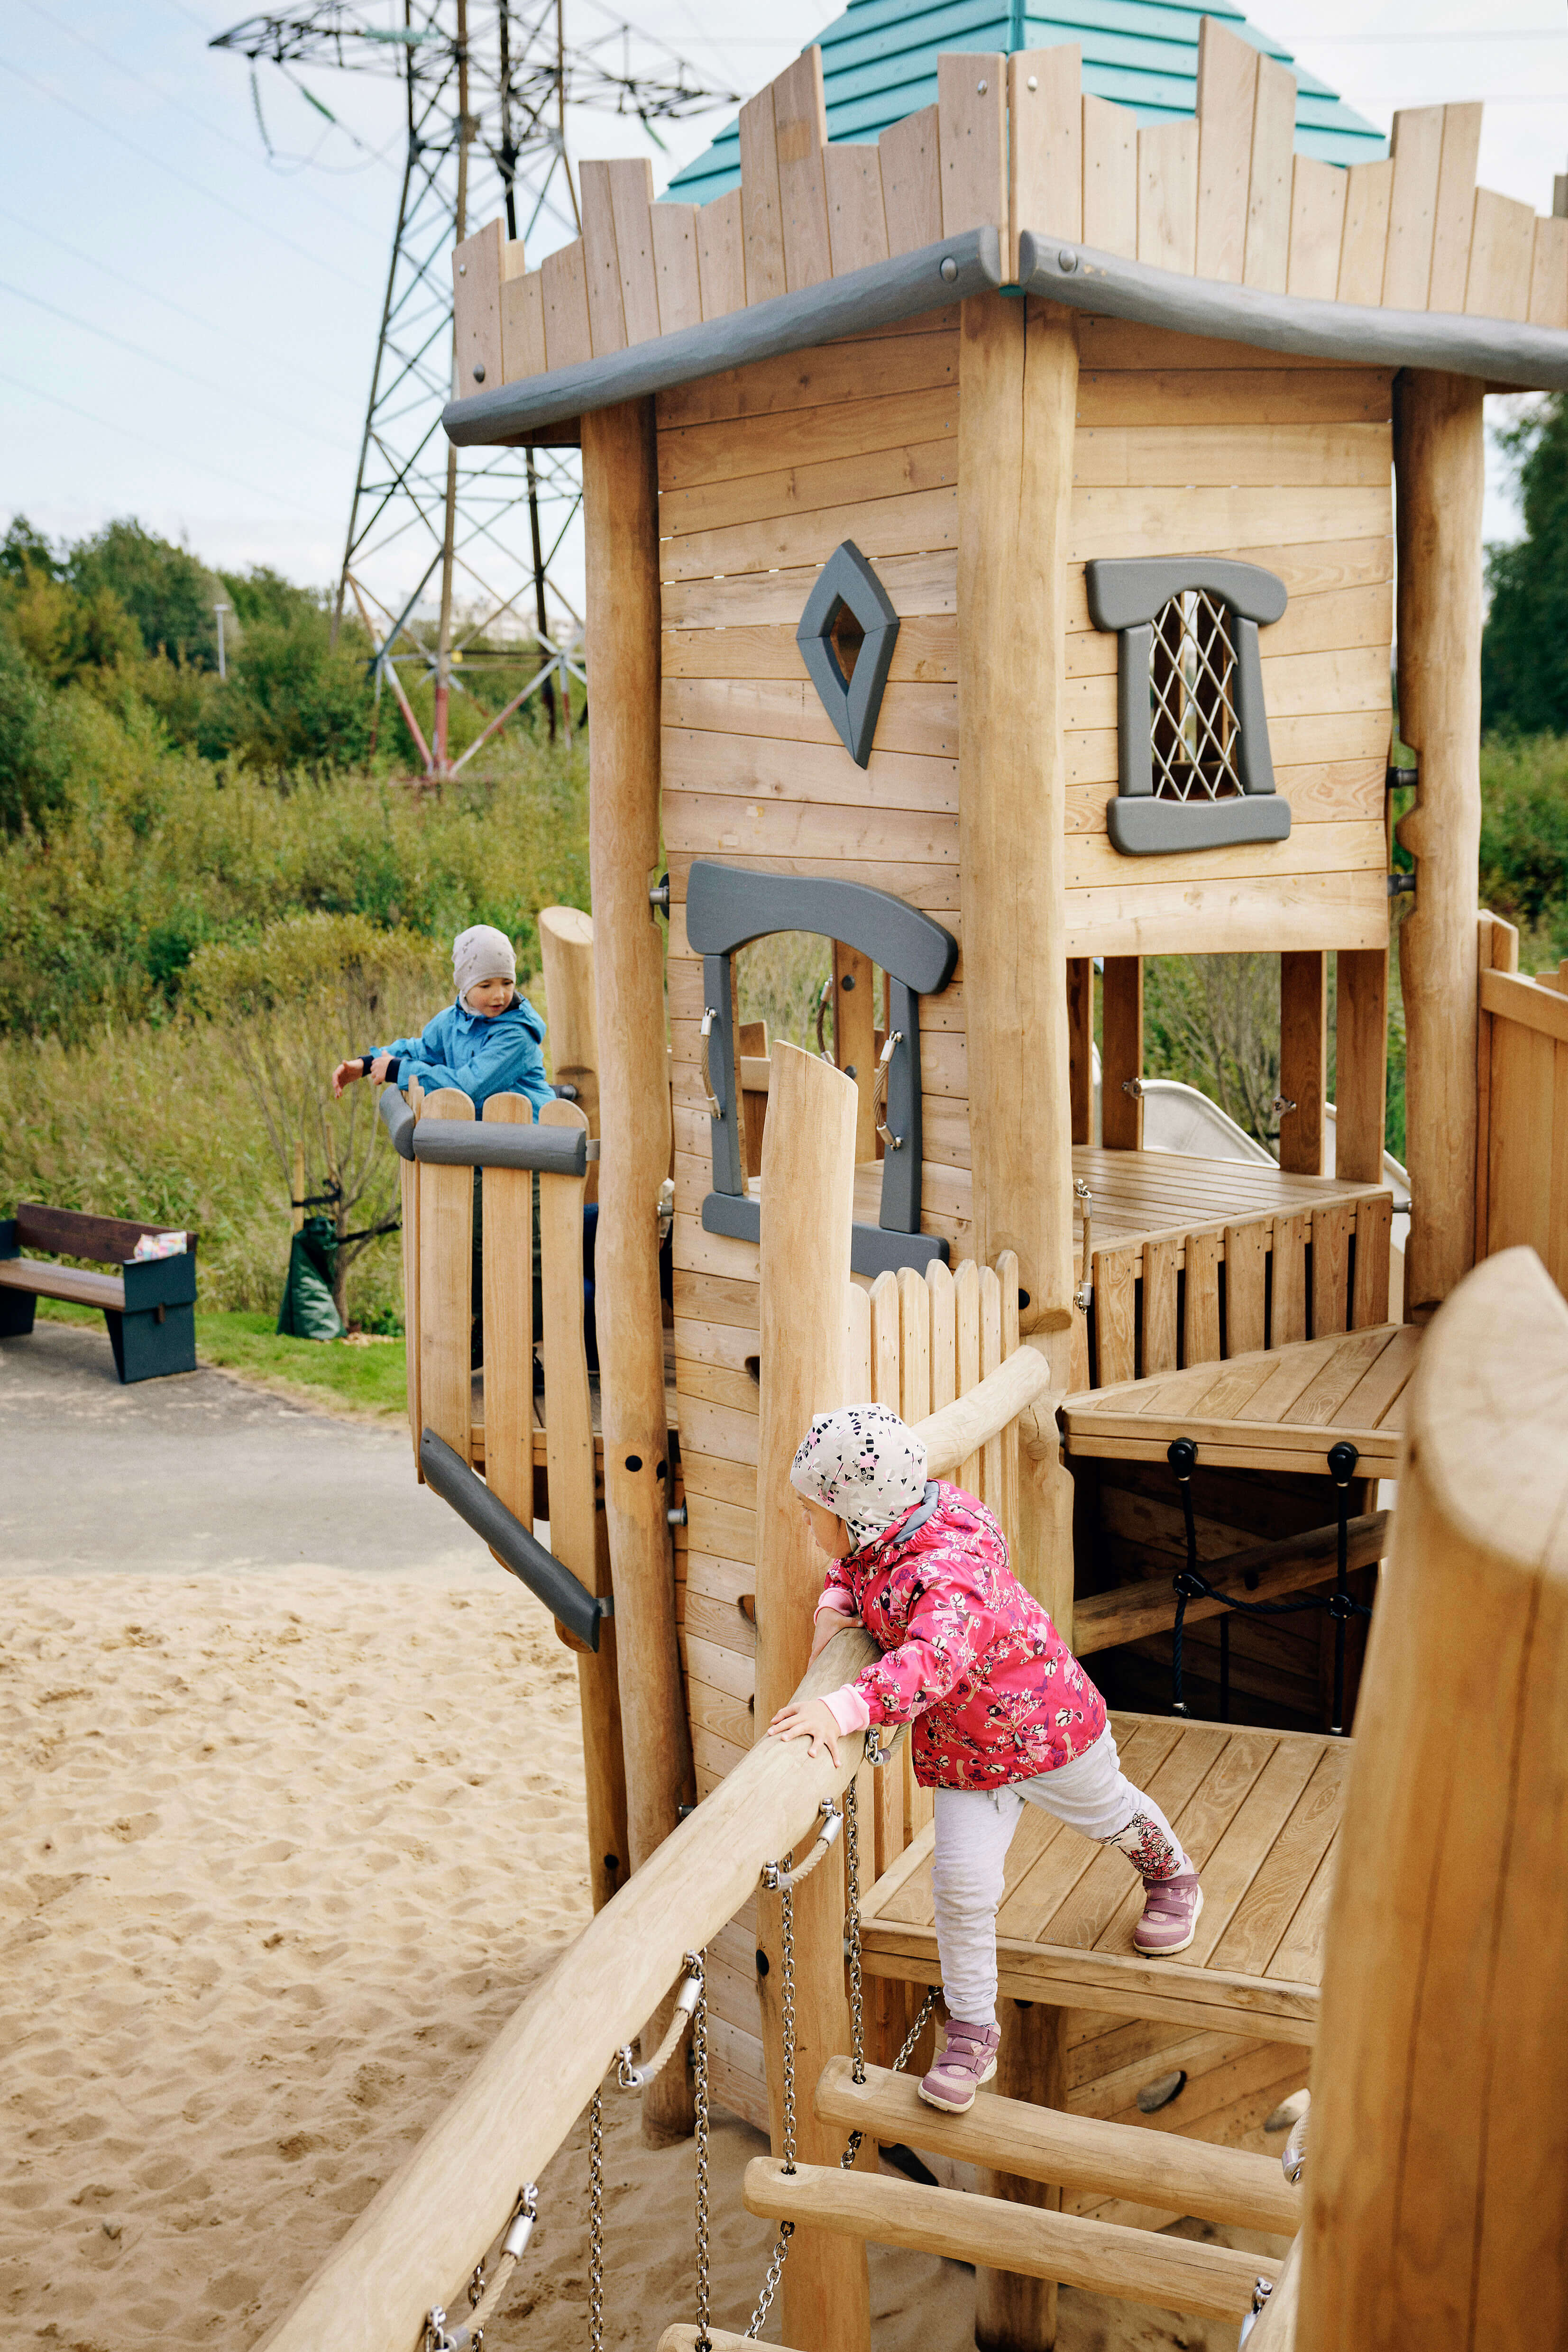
1192 1585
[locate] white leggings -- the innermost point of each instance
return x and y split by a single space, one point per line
974 1831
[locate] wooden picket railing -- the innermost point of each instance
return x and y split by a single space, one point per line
1521 1142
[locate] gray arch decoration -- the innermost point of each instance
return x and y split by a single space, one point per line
1206 612
847 582
726 908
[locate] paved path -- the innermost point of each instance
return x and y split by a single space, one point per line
200 1471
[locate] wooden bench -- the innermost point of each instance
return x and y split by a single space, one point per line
150 1307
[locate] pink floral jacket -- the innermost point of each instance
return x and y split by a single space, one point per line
971 1658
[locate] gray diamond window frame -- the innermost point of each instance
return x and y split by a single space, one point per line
1163 725
848 584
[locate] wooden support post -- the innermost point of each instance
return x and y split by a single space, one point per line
854 1036
621 528
1361 1063
1303 1059
1121 1053
445 1287
1018 377
1434 2193
1080 1045
566 951
575 1515
1440 476
1014 2313
808 1208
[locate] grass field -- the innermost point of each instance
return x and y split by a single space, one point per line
361 1376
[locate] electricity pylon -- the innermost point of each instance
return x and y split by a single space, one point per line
487 86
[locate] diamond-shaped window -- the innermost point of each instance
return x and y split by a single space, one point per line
846 636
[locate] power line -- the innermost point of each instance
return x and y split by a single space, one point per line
214 130
174 367
151 294
111 424
208 195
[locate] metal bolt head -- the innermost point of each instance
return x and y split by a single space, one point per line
1033 82
1067 261
462 268
950 269
980 90
478 370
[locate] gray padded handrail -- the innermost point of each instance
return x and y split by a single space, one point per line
398 1120
875 296
1535 358
475 1143
563 1594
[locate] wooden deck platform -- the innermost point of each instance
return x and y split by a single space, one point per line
1279 1408
1258 1811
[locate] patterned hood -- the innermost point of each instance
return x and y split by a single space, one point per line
863 1463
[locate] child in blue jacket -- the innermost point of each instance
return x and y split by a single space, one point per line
487 1041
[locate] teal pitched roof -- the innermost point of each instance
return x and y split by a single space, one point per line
878 64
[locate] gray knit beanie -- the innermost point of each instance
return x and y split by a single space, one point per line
482 952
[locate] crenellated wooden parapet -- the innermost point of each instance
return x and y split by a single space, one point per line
1014 143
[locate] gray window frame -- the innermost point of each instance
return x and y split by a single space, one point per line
1127 595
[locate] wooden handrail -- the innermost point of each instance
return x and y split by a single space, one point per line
961 1428
418 2239
421 2236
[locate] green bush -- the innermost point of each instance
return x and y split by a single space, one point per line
32 769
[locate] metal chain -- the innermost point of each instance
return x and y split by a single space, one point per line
700 2075
852 1932
927 2010
786 2228
596 2223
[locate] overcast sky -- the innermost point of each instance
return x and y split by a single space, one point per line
187 320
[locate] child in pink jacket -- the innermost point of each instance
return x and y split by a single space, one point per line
1002 1714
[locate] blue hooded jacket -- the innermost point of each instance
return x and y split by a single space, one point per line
480 1057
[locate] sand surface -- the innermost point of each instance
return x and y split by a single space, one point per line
280 1852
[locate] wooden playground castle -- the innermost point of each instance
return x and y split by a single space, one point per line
991 561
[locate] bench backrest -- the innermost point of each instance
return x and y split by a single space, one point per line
76 1232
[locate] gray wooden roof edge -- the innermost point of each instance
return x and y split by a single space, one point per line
881 296
1534 358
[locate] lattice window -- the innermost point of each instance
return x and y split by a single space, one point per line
1193 764
1194 734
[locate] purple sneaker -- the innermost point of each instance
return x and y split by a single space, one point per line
1171 1911
969 2060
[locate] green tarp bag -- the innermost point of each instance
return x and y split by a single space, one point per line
307 1312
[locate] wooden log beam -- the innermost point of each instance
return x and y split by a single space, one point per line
417 2240
574 1518
1075 2152
1018 382
808 1193
1440 476
1434 2189
1013 2312
1138 2265
1303 1059
961 1428
1122 1056
1361 1063
566 951
620 500
1131 1611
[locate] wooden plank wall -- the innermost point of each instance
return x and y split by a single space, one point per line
1014 141
1189 447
